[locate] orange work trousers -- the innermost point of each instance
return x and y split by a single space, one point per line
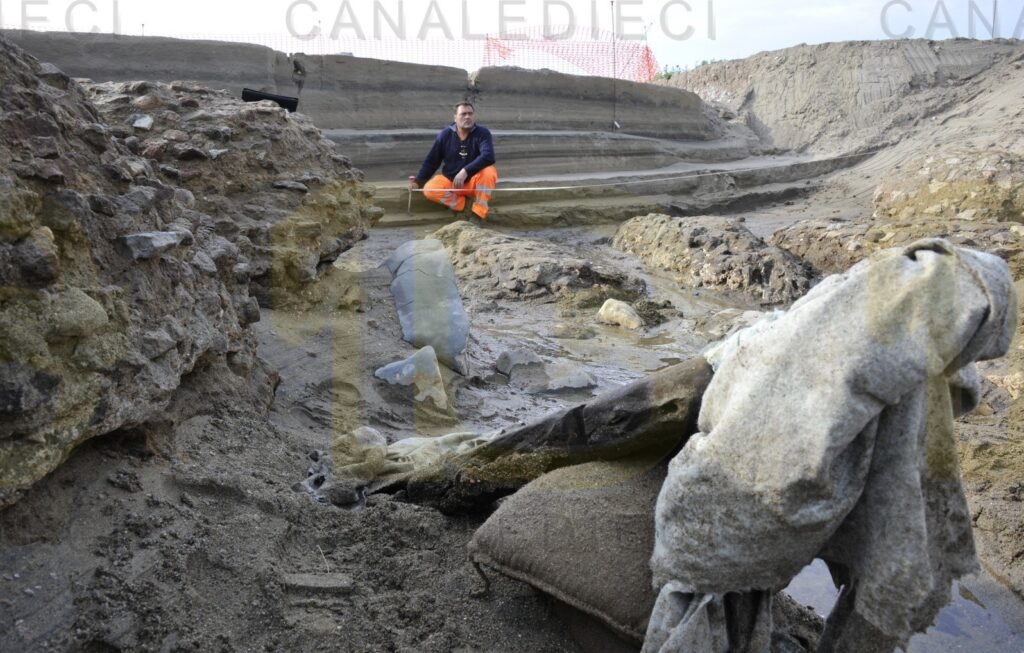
479 187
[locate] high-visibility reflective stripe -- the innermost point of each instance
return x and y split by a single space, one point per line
449 200
484 189
482 202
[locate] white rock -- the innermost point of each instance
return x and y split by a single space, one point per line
509 360
620 313
145 123
566 375
420 370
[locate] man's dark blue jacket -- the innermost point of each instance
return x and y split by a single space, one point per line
474 154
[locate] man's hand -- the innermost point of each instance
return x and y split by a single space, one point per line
460 180
412 183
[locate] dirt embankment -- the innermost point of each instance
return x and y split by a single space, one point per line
112 288
846 96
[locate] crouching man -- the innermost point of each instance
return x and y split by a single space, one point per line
465 152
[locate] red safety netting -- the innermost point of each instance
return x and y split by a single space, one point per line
580 51
577 51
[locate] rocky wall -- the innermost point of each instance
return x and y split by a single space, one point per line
277 190
139 221
112 289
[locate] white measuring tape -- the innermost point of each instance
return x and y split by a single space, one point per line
533 189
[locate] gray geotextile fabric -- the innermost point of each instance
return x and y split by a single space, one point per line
738 622
427 299
650 417
828 432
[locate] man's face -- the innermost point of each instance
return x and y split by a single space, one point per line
464 117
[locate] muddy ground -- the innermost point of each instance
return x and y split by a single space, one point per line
194 537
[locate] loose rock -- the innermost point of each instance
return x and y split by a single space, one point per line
151 244
620 313
143 123
420 370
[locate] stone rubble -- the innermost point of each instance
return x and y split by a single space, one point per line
116 293
716 253
272 185
497 266
956 184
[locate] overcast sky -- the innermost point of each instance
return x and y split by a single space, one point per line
679 32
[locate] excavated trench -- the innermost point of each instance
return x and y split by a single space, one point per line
206 518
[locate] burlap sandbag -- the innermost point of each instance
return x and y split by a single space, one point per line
583 534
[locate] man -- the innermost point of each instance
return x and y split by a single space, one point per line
465 152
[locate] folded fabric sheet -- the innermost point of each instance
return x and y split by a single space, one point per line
427 299
828 432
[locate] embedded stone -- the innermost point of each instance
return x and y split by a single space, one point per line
146 102
144 123
176 135
157 343
291 185
74 314
147 245
186 152
27 397
37 257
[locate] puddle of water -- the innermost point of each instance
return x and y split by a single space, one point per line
619 355
654 341
983 616
669 362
